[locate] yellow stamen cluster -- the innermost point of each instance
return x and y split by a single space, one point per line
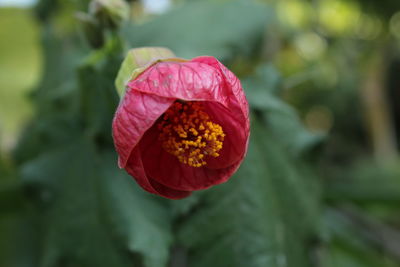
187 132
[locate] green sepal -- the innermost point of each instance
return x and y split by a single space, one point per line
138 60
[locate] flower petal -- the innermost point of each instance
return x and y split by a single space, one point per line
183 80
166 169
234 145
135 114
201 79
234 85
135 168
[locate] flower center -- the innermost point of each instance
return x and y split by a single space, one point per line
187 132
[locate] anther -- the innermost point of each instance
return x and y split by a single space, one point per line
187 132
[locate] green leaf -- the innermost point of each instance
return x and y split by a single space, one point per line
46 133
263 216
281 119
285 124
58 79
141 219
222 29
266 78
92 213
11 198
353 241
18 238
365 182
18 241
338 255
98 96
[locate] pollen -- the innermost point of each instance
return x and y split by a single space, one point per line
187 132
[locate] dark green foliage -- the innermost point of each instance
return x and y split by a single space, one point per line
221 29
265 216
358 240
88 206
262 89
98 97
366 183
384 8
65 203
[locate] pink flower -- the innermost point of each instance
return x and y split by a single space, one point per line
182 126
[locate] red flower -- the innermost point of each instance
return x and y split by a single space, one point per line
182 126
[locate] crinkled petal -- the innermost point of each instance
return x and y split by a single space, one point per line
234 84
190 81
183 80
201 79
136 113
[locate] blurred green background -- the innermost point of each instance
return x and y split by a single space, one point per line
321 182
21 66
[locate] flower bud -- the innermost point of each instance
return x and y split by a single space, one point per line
181 125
